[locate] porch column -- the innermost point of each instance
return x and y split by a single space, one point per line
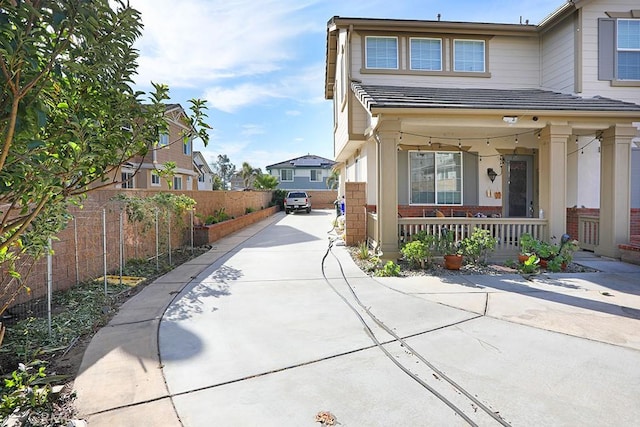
615 189
387 197
553 178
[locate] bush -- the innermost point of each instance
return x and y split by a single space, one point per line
390 269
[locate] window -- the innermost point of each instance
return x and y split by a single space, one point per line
127 180
186 147
426 54
177 183
316 175
468 56
286 174
381 52
201 177
628 49
164 140
155 179
435 178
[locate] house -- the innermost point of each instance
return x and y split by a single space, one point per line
143 172
517 123
205 174
302 173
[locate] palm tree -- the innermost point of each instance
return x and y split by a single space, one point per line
333 181
249 174
265 181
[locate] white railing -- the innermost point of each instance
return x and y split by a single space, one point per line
372 229
588 232
506 230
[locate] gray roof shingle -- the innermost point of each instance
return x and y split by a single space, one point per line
374 96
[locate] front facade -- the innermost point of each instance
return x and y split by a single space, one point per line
302 173
171 147
518 122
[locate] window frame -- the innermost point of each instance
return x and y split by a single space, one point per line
155 179
436 201
186 147
366 52
127 179
282 178
163 139
318 173
454 55
177 182
410 49
619 50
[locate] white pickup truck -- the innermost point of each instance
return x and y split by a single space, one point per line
297 201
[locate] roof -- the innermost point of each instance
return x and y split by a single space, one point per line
308 161
378 97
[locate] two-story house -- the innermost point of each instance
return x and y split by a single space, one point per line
302 173
517 121
143 172
204 171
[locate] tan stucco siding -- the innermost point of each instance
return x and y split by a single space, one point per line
558 58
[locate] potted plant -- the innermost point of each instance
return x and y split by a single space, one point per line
530 265
451 250
545 251
526 244
478 245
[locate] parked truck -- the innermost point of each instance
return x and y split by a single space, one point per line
297 201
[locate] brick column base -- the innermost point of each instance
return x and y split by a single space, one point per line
355 216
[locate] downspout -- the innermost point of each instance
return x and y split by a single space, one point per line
378 186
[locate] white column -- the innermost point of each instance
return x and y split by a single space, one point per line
553 178
615 189
388 189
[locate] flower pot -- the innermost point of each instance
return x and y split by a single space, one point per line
453 262
543 263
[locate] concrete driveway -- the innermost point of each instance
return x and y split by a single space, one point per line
272 329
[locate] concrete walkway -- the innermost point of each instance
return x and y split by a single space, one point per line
265 330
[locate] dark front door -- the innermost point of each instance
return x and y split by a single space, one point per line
518 186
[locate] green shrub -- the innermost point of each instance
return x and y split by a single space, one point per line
390 269
478 245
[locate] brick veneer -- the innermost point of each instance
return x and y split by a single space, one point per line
355 215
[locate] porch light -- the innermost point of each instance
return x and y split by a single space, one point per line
491 174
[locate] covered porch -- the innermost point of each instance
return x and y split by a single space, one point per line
508 161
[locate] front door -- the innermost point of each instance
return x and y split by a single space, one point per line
518 186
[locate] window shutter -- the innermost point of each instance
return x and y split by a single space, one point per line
606 48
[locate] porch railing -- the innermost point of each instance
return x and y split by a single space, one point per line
372 229
588 232
506 230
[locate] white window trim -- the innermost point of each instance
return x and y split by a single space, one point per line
131 179
287 180
619 49
366 61
484 58
318 175
154 174
163 136
411 51
177 179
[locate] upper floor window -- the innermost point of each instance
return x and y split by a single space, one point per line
186 147
435 178
127 179
426 54
468 56
381 52
316 175
286 174
628 49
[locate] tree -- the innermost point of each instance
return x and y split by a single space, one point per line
266 181
224 169
333 181
69 117
249 174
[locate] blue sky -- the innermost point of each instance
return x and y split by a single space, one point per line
260 64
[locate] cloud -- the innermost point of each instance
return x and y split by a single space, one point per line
200 40
250 130
231 99
292 113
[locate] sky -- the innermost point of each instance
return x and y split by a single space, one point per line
260 64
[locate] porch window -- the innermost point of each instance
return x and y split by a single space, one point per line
177 183
155 179
628 49
468 56
435 178
381 52
426 54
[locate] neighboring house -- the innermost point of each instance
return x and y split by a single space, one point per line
302 173
498 119
202 168
142 172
